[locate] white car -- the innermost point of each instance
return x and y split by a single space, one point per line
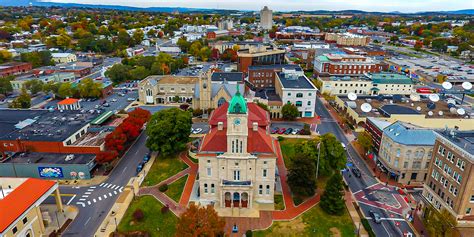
295 131
197 130
114 100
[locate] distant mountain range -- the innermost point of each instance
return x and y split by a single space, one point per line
184 9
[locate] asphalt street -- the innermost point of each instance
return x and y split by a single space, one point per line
392 224
94 202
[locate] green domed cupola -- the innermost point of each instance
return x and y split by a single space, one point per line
237 104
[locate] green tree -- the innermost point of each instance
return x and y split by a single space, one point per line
138 36
65 90
87 88
204 54
332 200
119 73
139 73
168 131
365 140
5 85
23 101
439 223
123 38
439 44
290 111
263 106
34 86
332 153
195 48
302 175
5 56
183 44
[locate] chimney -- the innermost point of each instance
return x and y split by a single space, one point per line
255 126
220 126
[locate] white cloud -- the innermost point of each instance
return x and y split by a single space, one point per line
288 5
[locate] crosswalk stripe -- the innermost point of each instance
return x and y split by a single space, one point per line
94 200
82 199
110 194
90 190
102 184
100 198
115 192
113 187
108 185
85 196
88 202
93 187
105 196
121 189
117 187
81 203
88 193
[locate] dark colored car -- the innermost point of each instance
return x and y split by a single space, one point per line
376 217
288 131
139 167
281 130
146 158
356 172
274 130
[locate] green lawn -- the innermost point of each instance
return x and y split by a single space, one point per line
279 203
154 222
163 168
288 148
314 222
175 189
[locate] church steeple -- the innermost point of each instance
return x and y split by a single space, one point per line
237 104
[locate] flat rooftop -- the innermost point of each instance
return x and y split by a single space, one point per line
276 67
462 139
49 158
173 79
295 81
227 76
385 106
41 125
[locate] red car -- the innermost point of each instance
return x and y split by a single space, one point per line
281 130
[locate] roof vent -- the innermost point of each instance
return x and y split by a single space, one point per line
255 126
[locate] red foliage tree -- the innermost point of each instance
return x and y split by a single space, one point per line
143 115
200 221
115 140
161 34
215 54
131 127
105 157
229 55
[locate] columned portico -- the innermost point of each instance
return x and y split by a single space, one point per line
236 199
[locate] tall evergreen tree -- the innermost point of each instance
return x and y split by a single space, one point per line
332 201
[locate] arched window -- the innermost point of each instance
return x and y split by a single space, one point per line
408 154
398 152
220 102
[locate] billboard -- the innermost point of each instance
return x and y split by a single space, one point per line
50 172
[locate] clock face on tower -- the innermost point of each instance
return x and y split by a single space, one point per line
236 121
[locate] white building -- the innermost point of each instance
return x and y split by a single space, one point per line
63 57
266 18
295 88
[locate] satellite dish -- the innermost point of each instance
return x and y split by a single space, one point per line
430 113
461 111
352 96
418 108
415 97
366 107
440 113
467 85
434 97
412 104
447 85
452 110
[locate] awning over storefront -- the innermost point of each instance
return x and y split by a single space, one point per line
104 116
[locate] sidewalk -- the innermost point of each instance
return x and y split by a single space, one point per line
354 214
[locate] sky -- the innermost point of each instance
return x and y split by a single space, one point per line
290 5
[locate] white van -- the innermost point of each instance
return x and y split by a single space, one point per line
343 145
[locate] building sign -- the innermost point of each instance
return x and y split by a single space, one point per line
50 172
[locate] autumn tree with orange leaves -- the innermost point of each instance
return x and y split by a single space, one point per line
200 221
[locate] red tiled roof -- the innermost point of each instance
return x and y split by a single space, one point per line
256 114
20 199
68 101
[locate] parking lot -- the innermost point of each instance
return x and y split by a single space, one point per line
282 127
114 101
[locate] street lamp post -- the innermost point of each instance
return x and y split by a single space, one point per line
116 227
317 164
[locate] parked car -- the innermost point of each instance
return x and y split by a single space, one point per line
288 131
295 131
197 130
281 130
146 158
139 167
356 172
97 106
106 105
114 100
130 99
343 145
274 130
376 217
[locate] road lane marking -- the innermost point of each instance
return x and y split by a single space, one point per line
105 196
88 193
113 187
117 187
87 221
124 170
121 189
81 203
82 199
108 185
70 200
110 194
101 185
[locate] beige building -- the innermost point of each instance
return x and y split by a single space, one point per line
166 89
405 152
20 201
63 57
215 88
450 183
347 39
266 18
237 160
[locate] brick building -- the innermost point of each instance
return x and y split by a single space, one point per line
345 64
14 68
264 76
259 56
